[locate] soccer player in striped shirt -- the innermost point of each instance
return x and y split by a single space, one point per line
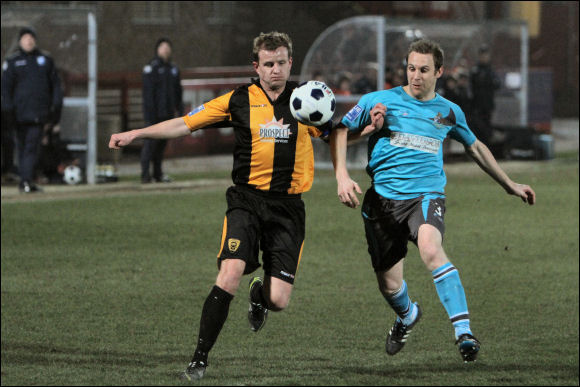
407 200
273 166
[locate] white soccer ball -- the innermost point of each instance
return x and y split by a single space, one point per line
312 103
72 175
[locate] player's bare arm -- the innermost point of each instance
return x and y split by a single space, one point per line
483 157
173 128
347 188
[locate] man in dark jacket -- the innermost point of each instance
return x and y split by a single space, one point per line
484 84
162 100
31 101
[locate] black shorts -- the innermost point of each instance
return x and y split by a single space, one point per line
390 224
273 223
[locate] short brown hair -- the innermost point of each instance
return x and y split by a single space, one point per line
424 46
271 41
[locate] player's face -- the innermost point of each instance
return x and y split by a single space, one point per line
273 67
27 42
164 51
422 76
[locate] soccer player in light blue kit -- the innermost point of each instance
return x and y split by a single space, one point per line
406 200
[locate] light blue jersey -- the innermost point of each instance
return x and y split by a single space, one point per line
406 156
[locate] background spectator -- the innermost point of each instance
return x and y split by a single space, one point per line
31 101
484 83
162 100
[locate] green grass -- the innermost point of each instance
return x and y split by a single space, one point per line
109 291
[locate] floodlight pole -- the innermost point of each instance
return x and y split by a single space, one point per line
524 65
380 53
92 100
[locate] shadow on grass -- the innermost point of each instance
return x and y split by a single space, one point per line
426 371
19 353
38 354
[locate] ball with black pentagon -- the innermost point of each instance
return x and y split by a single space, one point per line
312 103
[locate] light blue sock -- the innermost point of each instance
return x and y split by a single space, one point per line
402 305
452 296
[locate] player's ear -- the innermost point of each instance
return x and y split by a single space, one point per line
439 72
255 64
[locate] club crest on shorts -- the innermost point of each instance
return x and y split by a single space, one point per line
233 244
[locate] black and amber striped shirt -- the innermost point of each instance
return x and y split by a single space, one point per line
273 151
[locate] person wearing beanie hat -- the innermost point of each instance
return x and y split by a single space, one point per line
162 100
160 41
32 100
27 30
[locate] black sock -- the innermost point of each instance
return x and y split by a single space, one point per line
213 316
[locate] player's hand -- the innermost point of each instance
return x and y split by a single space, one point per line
525 192
119 140
347 190
377 114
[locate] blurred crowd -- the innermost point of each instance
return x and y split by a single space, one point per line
471 86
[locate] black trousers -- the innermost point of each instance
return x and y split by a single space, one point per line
7 148
28 138
481 125
152 153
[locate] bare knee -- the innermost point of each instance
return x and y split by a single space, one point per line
278 303
432 255
391 280
430 246
277 293
230 274
390 285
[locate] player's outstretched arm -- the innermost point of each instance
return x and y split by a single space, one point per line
347 188
173 128
483 157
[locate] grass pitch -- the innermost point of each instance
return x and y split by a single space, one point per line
109 291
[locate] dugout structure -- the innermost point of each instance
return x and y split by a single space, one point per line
369 48
69 35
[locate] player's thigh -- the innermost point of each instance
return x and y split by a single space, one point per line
427 228
427 210
283 238
240 233
386 237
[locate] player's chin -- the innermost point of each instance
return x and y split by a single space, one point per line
277 83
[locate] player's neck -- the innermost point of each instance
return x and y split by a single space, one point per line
273 94
429 96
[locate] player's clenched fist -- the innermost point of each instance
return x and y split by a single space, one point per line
377 115
119 140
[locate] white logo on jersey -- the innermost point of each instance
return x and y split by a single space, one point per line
275 131
416 142
196 110
354 113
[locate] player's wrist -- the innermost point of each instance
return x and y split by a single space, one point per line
135 134
341 175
